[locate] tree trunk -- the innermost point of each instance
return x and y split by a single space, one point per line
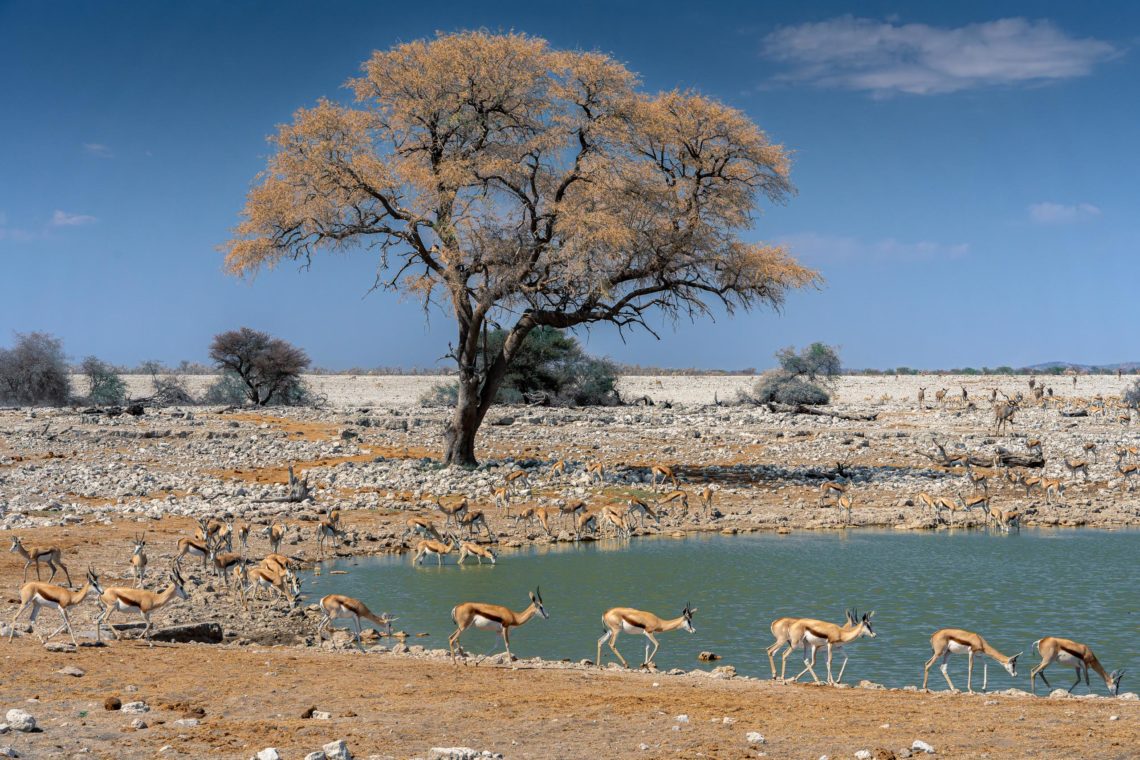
476 395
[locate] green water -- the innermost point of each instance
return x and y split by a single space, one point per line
1014 589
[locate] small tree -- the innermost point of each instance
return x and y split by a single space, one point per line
269 368
106 388
511 181
34 371
1132 395
795 381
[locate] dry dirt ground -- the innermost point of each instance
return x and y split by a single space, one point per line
89 484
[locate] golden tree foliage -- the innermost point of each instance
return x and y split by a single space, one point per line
520 182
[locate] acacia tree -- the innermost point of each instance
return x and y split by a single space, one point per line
268 368
523 186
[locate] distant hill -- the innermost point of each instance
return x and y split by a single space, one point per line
1054 366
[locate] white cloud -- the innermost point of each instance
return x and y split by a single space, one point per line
813 246
1059 213
885 57
98 149
64 219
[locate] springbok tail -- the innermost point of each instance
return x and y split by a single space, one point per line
1035 647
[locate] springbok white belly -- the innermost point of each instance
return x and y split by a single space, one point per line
486 624
956 648
40 601
628 627
816 641
1065 658
122 606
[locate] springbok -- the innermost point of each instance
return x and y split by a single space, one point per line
628 620
492 617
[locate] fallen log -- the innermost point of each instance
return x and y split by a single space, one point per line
1076 413
804 409
1004 459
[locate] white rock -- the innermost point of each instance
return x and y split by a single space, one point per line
318 755
727 720
918 745
321 715
269 753
138 724
1058 694
863 754
755 737
643 746
682 718
8 752
1114 717
20 720
135 707
186 722
337 750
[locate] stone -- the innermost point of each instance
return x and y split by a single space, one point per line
1059 694
135 707
20 720
187 722
918 745
724 671
643 746
320 715
59 646
112 703
9 752
269 753
708 656
863 754
755 737
459 753
682 718
880 753
138 724
337 750
73 671
318 755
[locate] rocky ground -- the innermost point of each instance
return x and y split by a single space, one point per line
89 482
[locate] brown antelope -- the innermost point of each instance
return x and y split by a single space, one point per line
224 562
39 594
587 522
940 396
242 531
614 517
275 532
328 528
281 580
335 606
1029 482
781 629
1077 465
1127 472
138 559
845 502
453 512
948 641
473 521
571 509
1002 518
492 617
195 548
707 499
207 532
558 468
517 480
502 496
638 507
967 504
679 496
1033 445
540 515
1003 414
814 634
1090 450
628 620
921 405
830 490
596 472
138 600
925 499
34 555
965 395
1079 656
469 549
1053 486
422 526
435 548
948 459
665 472
977 479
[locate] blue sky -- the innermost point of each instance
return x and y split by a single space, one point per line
966 172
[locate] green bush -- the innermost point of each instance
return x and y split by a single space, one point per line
106 388
785 388
550 368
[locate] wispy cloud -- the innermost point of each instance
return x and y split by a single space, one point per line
816 247
98 150
1048 212
64 219
884 57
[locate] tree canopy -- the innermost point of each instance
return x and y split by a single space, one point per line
512 183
